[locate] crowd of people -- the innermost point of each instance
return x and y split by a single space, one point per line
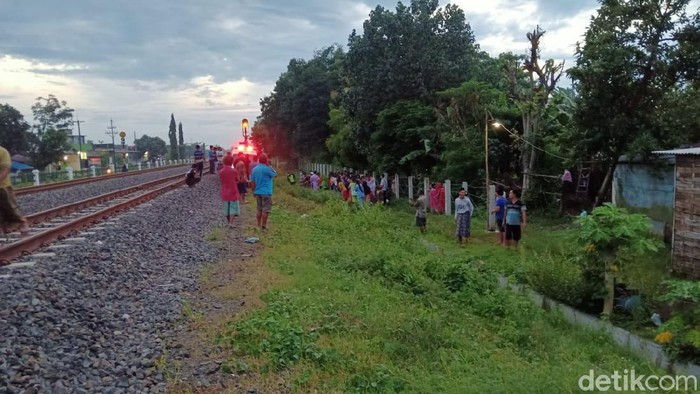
510 213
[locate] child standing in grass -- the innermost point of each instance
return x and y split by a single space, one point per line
229 191
421 205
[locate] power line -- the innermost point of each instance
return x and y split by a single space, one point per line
530 143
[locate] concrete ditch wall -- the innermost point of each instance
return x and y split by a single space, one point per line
639 346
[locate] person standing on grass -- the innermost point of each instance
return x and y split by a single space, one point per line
11 218
384 185
516 218
315 181
261 179
463 216
433 198
359 193
229 191
500 212
242 179
421 204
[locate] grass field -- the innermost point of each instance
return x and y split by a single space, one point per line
365 305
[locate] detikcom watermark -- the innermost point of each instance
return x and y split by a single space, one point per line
629 380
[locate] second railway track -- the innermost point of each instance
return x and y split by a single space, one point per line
63 184
52 224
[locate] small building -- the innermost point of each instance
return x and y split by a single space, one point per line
647 187
686 212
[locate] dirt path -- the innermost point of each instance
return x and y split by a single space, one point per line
226 290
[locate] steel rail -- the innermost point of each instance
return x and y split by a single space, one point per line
58 185
39 217
36 241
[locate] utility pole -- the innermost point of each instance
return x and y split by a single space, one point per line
80 143
112 133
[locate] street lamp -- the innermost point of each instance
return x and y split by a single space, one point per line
487 117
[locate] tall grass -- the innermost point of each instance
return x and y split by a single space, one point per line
369 308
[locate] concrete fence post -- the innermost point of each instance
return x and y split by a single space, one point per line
396 186
448 197
410 188
94 172
69 170
426 190
37 182
490 202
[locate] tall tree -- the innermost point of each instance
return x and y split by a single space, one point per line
630 59
14 131
404 138
155 146
298 106
172 136
53 120
49 113
532 97
405 55
181 138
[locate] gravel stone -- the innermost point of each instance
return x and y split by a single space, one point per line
95 317
41 201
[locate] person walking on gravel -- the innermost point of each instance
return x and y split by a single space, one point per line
212 159
11 219
261 178
229 190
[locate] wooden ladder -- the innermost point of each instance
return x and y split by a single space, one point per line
584 177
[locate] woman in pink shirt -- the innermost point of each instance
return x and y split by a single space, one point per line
229 190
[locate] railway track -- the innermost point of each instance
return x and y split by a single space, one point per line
63 184
56 223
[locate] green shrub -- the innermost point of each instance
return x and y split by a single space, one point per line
610 238
680 336
559 277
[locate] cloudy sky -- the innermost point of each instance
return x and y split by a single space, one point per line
210 61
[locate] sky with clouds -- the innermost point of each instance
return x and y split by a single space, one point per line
210 61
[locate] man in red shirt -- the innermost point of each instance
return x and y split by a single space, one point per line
229 190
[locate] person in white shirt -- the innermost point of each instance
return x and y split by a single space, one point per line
464 209
384 184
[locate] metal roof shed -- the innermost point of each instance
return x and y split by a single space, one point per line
686 212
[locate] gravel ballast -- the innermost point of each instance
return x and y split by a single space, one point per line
41 201
95 318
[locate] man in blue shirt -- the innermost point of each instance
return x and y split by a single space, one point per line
199 160
500 212
261 178
212 159
516 218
